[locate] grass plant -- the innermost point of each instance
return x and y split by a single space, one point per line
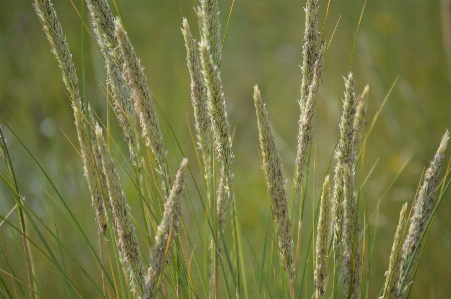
161 251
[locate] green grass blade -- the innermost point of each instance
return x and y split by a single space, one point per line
5 258
72 216
69 288
51 257
28 261
355 37
308 252
4 288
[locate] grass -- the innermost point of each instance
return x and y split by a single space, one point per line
145 252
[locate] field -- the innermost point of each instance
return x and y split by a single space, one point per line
400 51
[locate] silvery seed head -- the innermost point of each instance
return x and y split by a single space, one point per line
392 276
198 96
166 233
322 240
93 172
422 212
310 52
359 120
272 166
144 105
305 135
127 241
103 23
220 125
208 12
351 255
52 28
345 156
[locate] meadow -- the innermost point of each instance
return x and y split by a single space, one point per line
399 51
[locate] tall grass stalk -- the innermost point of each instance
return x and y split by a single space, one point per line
221 129
210 23
103 25
144 105
204 67
272 166
127 240
93 171
4 153
345 158
60 48
199 101
352 259
359 120
422 212
394 269
312 68
166 233
322 241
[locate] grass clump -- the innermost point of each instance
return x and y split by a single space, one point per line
169 254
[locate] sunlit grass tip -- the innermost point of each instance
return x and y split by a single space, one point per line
312 66
103 24
208 12
309 49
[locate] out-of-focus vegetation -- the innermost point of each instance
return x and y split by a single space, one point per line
263 45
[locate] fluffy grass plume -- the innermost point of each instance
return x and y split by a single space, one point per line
312 67
310 52
166 232
305 136
322 240
352 261
198 97
422 212
344 155
93 171
60 48
360 113
210 23
221 129
103 24
127 240
144 105
52 28
392 276
272 166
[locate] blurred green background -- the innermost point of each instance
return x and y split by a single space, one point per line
263 46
